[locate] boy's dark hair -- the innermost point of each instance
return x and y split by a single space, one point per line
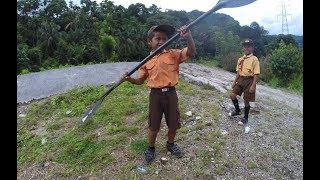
169 30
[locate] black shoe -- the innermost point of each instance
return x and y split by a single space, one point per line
149 155
235 113
174 149
243 121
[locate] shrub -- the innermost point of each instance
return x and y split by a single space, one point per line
286 62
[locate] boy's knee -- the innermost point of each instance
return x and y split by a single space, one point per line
154 131
232 95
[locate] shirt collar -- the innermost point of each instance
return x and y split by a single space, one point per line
247 56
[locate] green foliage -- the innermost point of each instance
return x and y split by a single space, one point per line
139 146
53 34
107 45
285 62
34 55
226 43
22 57
229 61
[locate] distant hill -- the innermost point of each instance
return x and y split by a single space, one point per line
299 40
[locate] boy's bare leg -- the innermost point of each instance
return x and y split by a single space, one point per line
152 135
171 135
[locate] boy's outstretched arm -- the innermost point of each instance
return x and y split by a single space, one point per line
190 42
137 81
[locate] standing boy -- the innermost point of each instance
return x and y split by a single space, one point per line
162 72
248 70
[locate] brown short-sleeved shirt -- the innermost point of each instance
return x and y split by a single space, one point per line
248 65
163 69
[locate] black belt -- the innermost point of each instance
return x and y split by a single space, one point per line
164 89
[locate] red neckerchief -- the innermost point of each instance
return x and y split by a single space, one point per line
242 60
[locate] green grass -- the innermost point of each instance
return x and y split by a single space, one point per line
139 146
208 62
252 165
85 148
79 148
127 129
204 155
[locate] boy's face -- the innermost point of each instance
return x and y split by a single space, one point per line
247 49
157 40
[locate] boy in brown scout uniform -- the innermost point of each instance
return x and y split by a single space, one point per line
248 70
162 72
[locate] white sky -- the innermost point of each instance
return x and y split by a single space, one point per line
265 12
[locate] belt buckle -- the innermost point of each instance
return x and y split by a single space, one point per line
165 89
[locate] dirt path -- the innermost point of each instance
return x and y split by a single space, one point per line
222 81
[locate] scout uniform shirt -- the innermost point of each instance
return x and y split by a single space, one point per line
163 69
248 65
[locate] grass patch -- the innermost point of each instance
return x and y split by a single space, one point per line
80 149
220 169
30 148
128 129
83 153
296 134
186 88
86 148
252 165
205 156
138 146
209 62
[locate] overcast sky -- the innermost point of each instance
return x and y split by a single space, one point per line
266 12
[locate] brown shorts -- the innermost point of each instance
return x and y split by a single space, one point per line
242 86
163 102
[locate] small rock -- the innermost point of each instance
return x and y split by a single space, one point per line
168 153
224 132
68 112
40 164
260 134
189 113
43 141
198 117
163 160
246 129
92 178
142 169
157 172
22 115
47 164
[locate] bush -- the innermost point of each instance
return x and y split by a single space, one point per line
35 56
50 63
286 62
107 46
265 71
229 61
25 71
296 83
23 62
92 54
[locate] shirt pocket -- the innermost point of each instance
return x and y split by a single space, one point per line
150 67
169 64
